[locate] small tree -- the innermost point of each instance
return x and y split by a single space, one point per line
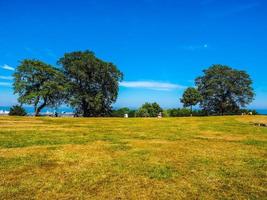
17 111
191 97
39 84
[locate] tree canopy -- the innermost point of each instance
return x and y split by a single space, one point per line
224 89
94 83
191 97
149 110
39 84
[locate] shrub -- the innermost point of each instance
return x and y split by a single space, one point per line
149 110
245 111
17 111
184 112
132 113
142 112
122 111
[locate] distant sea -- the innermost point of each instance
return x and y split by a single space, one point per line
30 110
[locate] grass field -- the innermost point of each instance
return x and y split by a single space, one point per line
112 158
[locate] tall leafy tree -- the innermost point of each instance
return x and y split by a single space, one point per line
94 83
191 97
39 84
224 89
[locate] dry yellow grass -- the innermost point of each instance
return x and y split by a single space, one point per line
112 158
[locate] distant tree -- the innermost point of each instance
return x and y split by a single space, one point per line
94 83
191 97
120 112
149 109
142 112
39 84
224 89
17 111
132 113
184 112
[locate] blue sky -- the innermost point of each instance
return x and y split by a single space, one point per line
159 45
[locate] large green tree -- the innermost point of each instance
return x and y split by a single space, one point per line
191 97
39 84
224 89
94 83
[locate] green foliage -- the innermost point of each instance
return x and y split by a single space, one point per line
17 111
39 84
224 89
122 111
142 112
93 83
165 113
132 113
247 111
149 110
190 97
184 112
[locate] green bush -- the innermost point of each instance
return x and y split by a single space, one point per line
149 110
184 112
245 111
122 111
142 112
17 111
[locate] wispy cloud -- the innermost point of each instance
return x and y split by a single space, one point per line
152 85
7 67
195 47
5 84
6 77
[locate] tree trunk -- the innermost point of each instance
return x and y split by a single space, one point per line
85 110
38 109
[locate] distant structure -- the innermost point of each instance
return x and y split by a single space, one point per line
126 115
160 115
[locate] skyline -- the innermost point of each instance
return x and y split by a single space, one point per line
160 46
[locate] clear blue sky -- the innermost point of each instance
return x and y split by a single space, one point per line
159 45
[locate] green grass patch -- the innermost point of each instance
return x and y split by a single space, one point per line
116 158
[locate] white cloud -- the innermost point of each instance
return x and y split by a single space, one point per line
7 67
6 77
153 85
5 84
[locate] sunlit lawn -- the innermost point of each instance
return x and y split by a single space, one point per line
113 158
